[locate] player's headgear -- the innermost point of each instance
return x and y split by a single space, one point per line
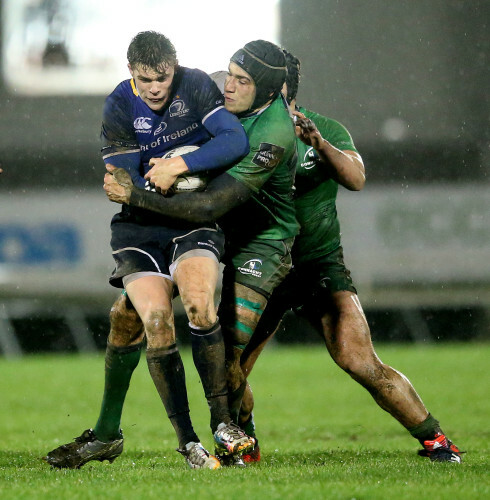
151 49
293 65
266 64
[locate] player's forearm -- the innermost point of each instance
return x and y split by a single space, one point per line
347 168
177 207
222 194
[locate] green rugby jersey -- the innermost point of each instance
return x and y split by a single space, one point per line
268 170
316 192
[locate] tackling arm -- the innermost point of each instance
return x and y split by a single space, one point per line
221 195
346 167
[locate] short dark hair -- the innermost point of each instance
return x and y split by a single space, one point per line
151 49
292 79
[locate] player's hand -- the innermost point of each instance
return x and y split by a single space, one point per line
117 184
164 172
307 131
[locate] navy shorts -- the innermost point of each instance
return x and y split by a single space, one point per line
157 249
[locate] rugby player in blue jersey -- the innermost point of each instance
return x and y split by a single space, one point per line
256 192
161 107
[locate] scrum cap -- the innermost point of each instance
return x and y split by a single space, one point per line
266 64
292 79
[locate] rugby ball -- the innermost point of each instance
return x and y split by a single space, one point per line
186 183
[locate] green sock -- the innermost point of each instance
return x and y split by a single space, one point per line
426 430
120 363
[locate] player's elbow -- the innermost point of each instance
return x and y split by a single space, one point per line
358 183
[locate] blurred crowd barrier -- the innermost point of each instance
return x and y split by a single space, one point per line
410 250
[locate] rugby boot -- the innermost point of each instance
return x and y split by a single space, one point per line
198 457
253 455
231 440
83 449
231 461
441 449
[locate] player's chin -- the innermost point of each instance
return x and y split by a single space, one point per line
155 105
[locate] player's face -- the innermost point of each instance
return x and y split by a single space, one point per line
153 86
239 89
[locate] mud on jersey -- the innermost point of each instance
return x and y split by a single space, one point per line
129 125
268 170
316 192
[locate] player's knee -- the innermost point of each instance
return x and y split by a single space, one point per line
126 327
350 360
159 328
202 319
201 311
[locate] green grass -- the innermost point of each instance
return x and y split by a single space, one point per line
321 434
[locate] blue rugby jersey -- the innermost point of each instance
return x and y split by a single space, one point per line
129 126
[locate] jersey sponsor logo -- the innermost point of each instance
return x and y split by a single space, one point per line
251 268
209 244
161 128
163 139
141 125
177 108
268 156
309 159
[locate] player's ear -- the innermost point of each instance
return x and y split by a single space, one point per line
130 69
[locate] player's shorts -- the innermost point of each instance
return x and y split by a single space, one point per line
260 265
309 286
157 250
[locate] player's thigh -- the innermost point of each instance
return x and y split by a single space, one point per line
151 294
345 329
196 277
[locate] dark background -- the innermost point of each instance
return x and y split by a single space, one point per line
423 64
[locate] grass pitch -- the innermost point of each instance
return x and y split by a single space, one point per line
321 434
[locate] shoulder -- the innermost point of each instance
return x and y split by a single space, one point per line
274 125
123 91
121 97
193 78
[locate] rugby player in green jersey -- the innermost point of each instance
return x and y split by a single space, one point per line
320 287
260 225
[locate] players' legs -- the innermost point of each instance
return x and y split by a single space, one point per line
348 341
269 323
151 296
122 356
241 311
251 274
196 278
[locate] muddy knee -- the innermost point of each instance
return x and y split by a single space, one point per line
126 327
159 328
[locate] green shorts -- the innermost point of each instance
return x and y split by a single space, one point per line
327 271
308 288
260 265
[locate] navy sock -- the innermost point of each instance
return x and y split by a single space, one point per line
167 371
208 352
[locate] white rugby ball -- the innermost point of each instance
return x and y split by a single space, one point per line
186 183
